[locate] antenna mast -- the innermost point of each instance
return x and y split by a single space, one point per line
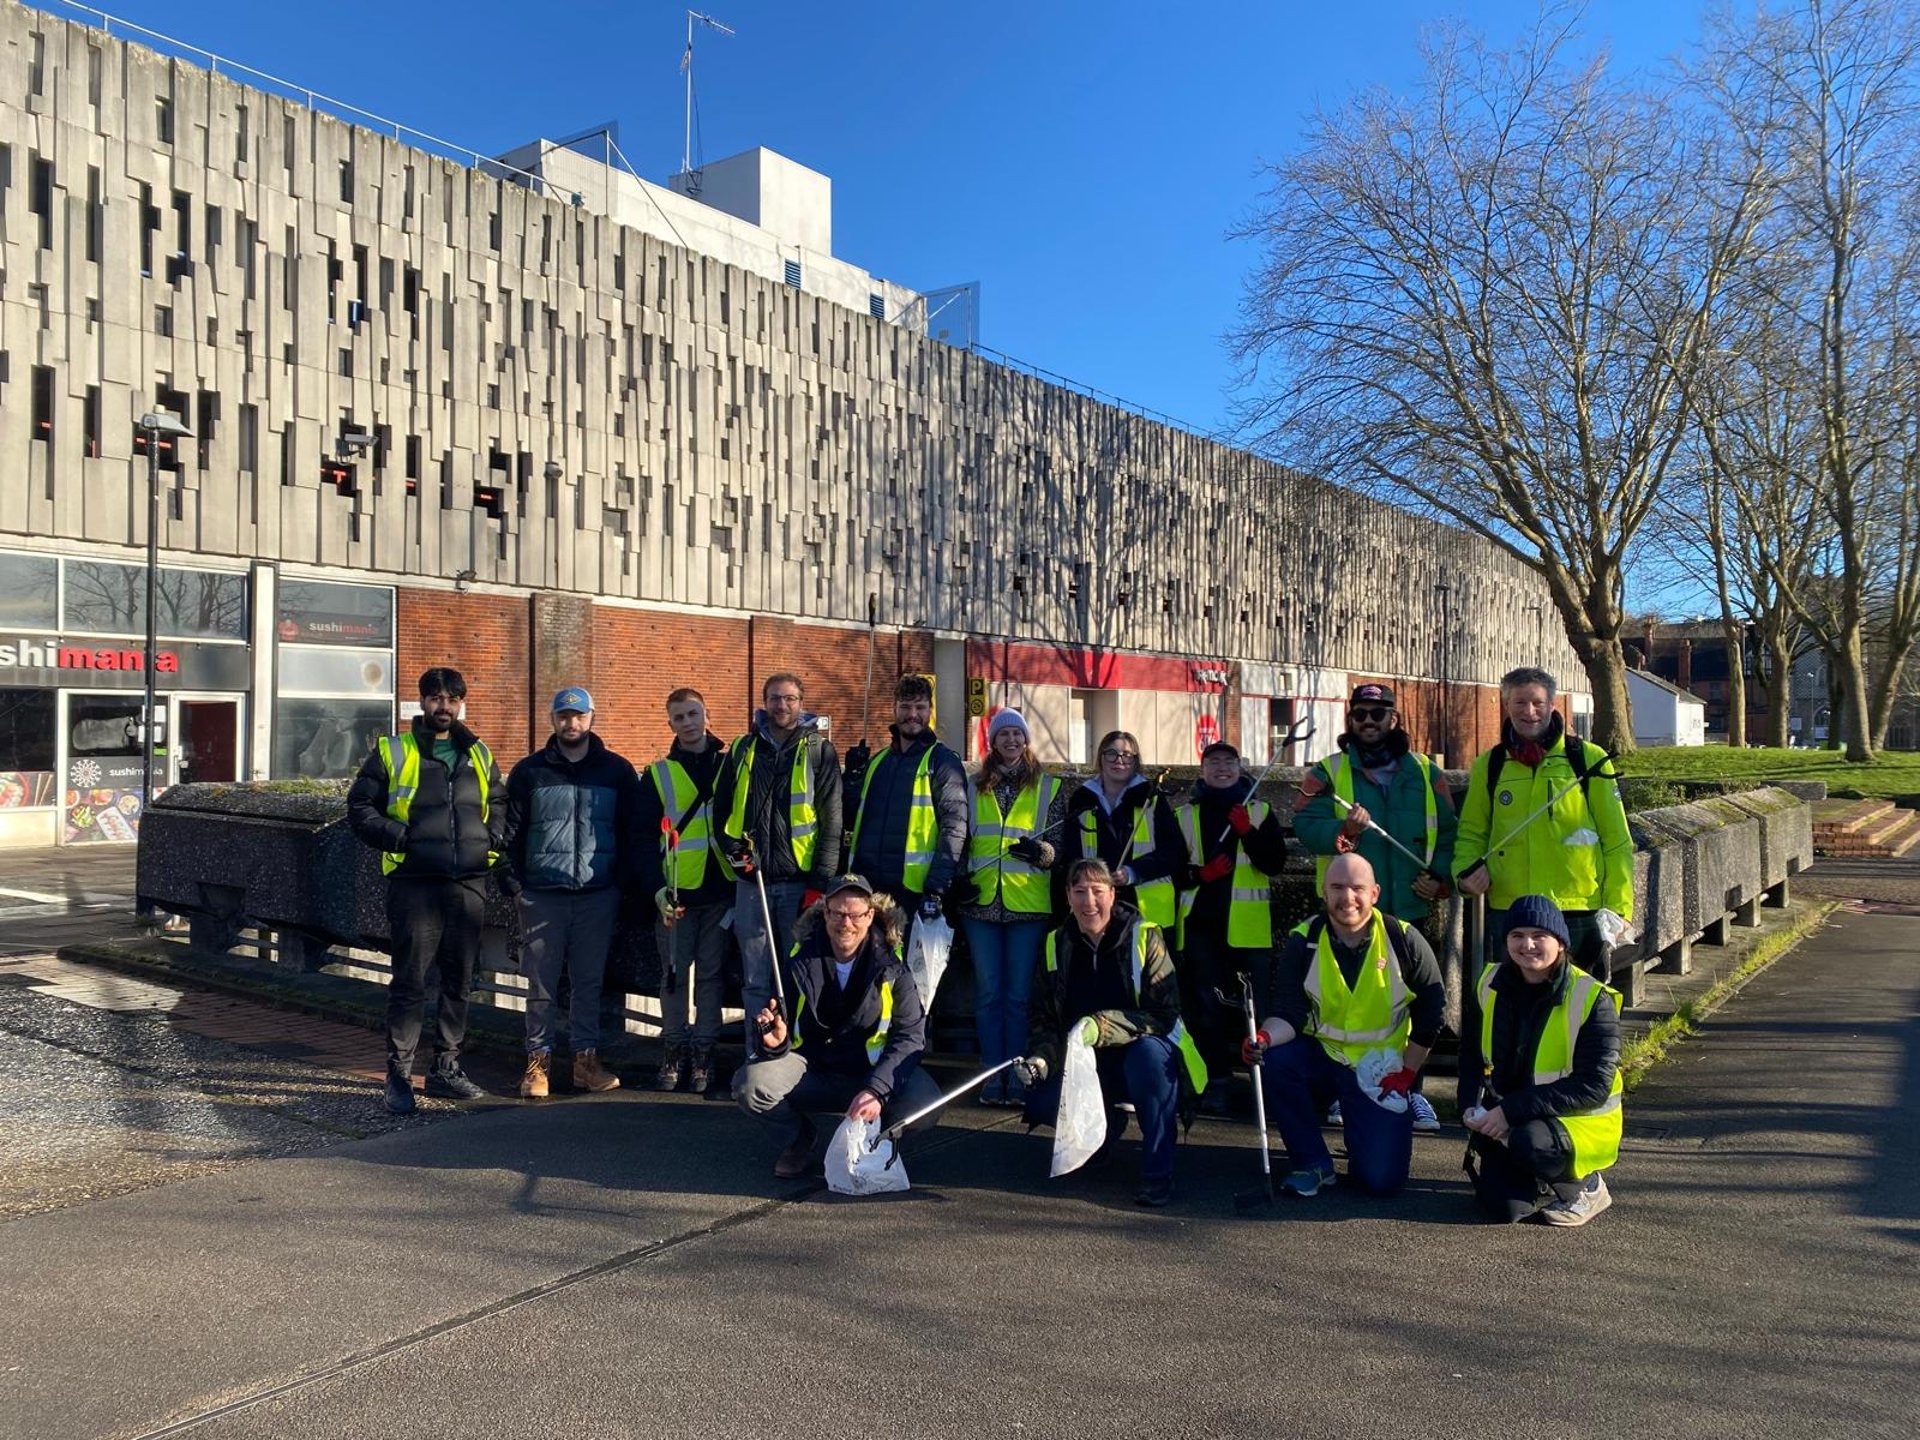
686 68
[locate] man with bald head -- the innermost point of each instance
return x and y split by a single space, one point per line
1355 989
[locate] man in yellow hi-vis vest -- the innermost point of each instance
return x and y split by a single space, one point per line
431 802
909 832
1354 987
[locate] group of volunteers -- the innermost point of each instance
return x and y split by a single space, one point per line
1097 913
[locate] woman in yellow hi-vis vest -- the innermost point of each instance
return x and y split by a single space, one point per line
1007 903
1540 1077
1120 817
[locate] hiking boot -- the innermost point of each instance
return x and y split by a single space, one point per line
588 1076
1307 1183
533 1084
673 1068
1154 1193
700 1069
1585 1203
399 1096
797 1159
447 1081
1424 1119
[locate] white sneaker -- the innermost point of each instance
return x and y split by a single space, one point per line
1589 1202
1424 1120
1333 1114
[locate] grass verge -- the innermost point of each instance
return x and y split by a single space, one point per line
1640 1055
1891 774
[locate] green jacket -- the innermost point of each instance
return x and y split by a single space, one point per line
1401 812
1580 856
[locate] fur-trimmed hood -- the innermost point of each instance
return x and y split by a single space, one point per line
889 924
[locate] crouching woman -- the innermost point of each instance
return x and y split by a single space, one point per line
1540 1082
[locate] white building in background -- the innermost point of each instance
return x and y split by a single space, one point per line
1663 713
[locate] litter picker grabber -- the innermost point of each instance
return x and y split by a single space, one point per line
899 1127
1599 772
1246 1200
1298 733
773 957
1375 827
670 982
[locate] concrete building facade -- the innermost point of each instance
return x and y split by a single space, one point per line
448 413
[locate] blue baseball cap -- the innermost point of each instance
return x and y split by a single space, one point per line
573 698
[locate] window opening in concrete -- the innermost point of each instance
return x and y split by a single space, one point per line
42 385
40 197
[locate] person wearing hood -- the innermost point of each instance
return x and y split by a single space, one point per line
1107 977
430 800
573 840
1540 1078
1233 844
691 890
852 1041
1119 817
1007 900
1579 855
779 799
909 829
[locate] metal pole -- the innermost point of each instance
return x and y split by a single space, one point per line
153 570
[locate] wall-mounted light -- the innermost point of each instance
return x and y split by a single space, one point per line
461 580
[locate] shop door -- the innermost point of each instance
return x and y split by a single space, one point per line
101 739
209 740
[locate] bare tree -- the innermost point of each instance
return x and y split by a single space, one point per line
1485 299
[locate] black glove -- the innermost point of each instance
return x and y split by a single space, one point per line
1029 850
855 764
740 857
1030 1070
931 906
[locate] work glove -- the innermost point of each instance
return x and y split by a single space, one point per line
1400 1082
931 905
740 857
1218 868
1090 1030
811 898
855 765
1241 820
1253 1049
663 901
1031 851
1030 1070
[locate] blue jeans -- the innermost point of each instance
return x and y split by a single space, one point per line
1301 1080
565 930
1146 1072
756 955
1005 955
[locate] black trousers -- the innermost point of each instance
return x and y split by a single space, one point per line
1208 968
434 923
1511 1179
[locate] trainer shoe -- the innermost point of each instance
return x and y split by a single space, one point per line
399 1096
1424 1120
1307 1183
447 1081
700 1069
1587 1202
1154 1193
533 1084
797 1159
673 1067
588 1076
1333 1114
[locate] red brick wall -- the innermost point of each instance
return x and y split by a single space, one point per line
832 664
642 656
563 649
485 638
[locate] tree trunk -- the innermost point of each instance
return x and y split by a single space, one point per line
1850 673
1780 691
1612 710
1736 682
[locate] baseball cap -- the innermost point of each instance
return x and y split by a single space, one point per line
858 883
573 698
1219 747
1371 694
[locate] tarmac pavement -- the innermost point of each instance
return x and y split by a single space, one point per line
623 1265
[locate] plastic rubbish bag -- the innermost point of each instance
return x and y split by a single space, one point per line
1374 1067
855 1168
927 954
1613 929
1081 1127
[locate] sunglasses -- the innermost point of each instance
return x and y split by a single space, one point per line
1371 712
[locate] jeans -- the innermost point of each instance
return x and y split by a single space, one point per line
1144 1072
1508 1177
1301 1081
778 1089
432 922
565 930
1005 956
756 958
698 945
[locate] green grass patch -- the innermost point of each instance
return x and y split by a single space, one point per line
1640 1055
1890 775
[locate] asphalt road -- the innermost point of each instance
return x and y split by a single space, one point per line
624 1265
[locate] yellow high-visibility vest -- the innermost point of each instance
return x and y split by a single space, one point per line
1596 1132
403 783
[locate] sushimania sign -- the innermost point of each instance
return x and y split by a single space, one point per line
115 664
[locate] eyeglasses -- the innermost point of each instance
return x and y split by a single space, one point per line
1370 712
1119 755
850 917
783 699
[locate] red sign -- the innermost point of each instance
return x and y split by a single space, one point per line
1206 731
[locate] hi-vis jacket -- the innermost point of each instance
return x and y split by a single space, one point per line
1579 855
428 821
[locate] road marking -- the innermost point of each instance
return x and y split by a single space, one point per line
33 895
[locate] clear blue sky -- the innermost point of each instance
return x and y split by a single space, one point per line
1082 161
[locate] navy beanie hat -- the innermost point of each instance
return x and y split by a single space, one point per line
1536 912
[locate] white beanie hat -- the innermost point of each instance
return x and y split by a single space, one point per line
1005 720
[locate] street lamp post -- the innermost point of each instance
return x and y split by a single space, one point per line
1445 592
153 426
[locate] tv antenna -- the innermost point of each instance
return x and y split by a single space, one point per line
686 68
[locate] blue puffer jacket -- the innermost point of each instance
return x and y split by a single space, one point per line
573 825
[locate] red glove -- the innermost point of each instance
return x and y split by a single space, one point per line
1217 868
809 900
1254 1048
1240 820
1400 1082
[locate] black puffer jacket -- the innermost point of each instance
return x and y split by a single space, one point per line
880 848
573 825
1520 1014
769 788
445 837
1113 835
830 1027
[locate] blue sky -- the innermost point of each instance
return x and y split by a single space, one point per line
1081 161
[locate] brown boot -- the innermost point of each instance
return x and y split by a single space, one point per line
587 1074
533 1084
673 1067
700 1070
